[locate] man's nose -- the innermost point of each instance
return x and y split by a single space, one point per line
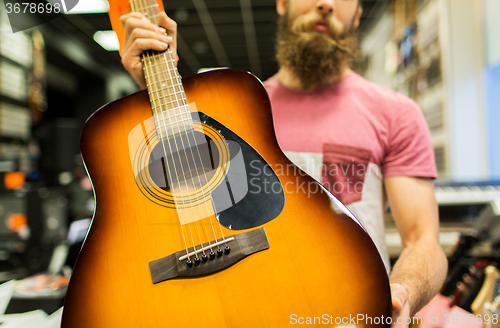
326 7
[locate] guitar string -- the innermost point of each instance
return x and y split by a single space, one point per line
145 58
178 198
145 68
179 82
192 155
199 155
173 124
186 133
182 102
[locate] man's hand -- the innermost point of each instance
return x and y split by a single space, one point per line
141 35
400 306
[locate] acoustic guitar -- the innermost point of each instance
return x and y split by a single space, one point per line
202 221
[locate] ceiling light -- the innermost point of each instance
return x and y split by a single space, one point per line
181 15
90 7
200 47
107 39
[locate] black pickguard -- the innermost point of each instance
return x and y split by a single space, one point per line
264 199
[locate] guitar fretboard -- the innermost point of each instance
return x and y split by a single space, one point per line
166 93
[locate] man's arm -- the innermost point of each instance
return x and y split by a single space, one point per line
422 265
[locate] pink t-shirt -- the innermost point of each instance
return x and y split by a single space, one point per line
349 135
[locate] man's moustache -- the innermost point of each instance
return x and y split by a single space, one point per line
307 25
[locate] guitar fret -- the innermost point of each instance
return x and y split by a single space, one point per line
168 87
165 124
167 77
160 81
160 61
152 6
155 102
164 85
150 66
162 97
170 94
171 110
176 101
160 93
162 58
158 64
182 101
171 123
155 74
160 106
169 117
153 60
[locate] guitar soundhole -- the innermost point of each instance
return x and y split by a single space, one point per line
187 162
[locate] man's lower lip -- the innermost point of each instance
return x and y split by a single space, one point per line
320 28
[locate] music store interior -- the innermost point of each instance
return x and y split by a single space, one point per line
443 54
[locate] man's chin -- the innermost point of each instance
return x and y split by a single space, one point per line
319 33
325 44
320 38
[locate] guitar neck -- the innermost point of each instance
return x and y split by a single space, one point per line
166 93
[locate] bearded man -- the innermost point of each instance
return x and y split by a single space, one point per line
366 144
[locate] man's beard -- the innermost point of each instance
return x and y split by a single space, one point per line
315 57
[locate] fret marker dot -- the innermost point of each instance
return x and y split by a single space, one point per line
163 85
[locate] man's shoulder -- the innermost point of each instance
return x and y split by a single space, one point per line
369 88
358 87
271 83
381 96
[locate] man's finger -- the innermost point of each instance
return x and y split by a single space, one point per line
126 17
147 34
141 45
167 22
399 297
135 22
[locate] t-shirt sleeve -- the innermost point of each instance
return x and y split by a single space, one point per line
409 151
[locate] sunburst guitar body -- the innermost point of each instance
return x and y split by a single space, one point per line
202 221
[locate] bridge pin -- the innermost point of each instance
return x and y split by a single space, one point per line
204 257
219 252
227 250
196 260
212 255
189 263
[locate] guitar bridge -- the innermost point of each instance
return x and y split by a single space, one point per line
176 265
